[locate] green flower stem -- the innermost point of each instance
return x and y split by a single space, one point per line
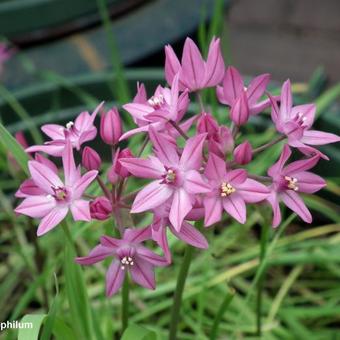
263 248
125 304
176 307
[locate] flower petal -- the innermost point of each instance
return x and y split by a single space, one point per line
138 111
315 137
215 168
193 67
234 205
276 169
214 65
159 236
308 182
44 177
54 131
110 242
236 177
307 111
51 220
172 65
301 165
82 183
180 207
253 191
165 151
97 254
142 273
256 88
149 256
286 100
192 154
194 183
80 210
189 234
212 209
274 202
114 278
294 202
144 168
232 85
137 235
36 206
151 196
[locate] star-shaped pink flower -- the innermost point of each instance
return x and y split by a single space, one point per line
176 177
230 190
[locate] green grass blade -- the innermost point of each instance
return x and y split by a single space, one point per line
31 333
10 144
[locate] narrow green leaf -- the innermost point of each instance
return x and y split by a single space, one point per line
326 99
32 324
10 144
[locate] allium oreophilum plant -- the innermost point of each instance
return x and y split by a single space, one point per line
204 180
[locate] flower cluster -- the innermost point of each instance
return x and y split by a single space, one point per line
196 170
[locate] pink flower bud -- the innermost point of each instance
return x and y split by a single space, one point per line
111 127
243 153
239 112
100 208
90 159
222 142
117 170
207 124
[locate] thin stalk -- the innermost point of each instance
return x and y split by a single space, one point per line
268 145
103 187
263 249
177 300
125 304
200 101
218 318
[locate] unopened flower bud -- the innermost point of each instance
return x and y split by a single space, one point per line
207 124
90 159
111 127
100 208
117 170
239 112
243 153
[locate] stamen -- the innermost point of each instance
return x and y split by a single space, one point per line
69 125
156 101
126 261
292 183
60 193
227 189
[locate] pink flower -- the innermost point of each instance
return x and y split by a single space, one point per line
243 101
166 104
207 124
230 190
243 153
175 177
100 208
295 122
55 198
129 256
187 233
110 127
288 181
194 72
79 132
90 159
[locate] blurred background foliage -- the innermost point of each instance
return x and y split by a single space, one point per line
72 56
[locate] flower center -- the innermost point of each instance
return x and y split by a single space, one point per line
292 183
300 119
60 193
227 189
156 101
126 261
170 176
